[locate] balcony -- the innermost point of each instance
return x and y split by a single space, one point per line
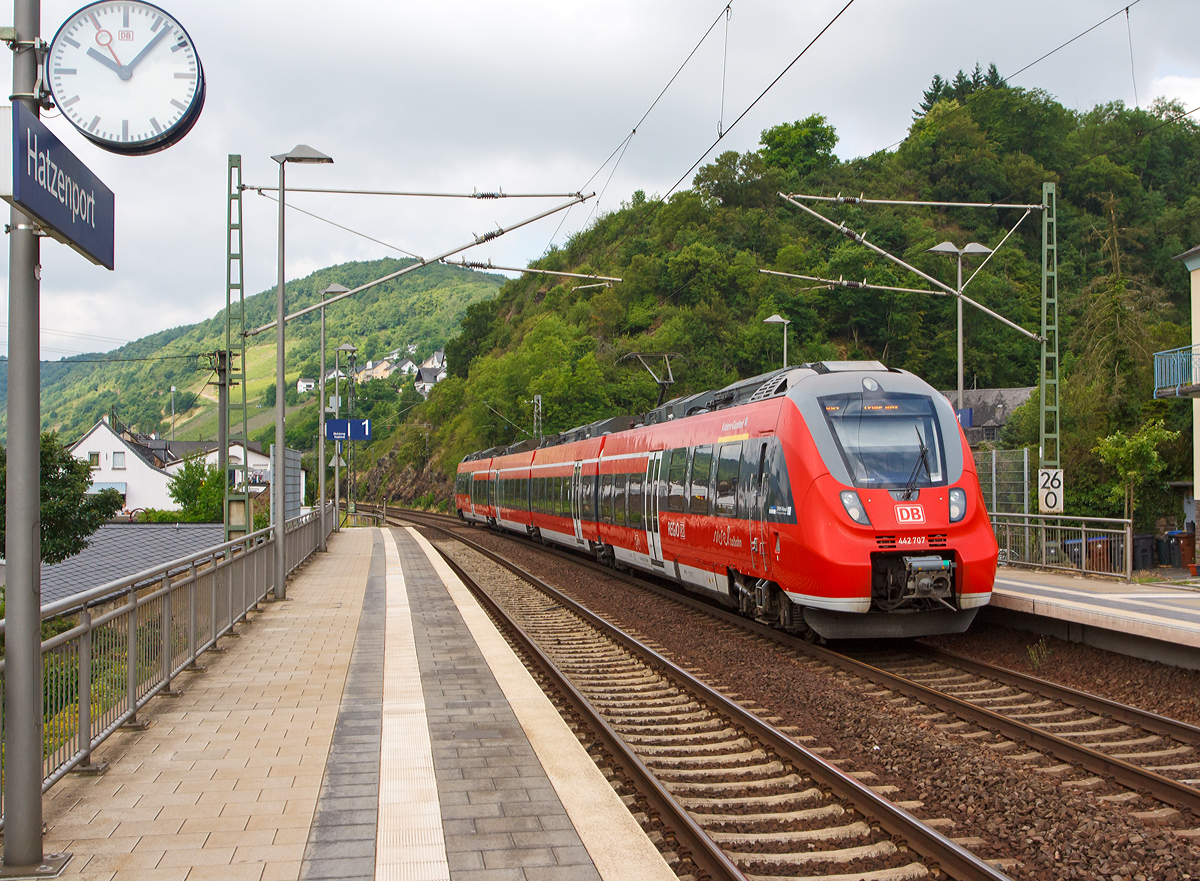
1177 373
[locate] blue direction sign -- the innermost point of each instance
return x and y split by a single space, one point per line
347 429
52 186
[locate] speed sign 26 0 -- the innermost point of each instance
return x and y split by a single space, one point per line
1050 490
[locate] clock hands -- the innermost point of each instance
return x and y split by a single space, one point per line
146 51
116 67
124 71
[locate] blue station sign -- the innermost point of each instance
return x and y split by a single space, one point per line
52 186
347 429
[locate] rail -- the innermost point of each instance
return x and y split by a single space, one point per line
1085 545
953 859
1176 370
131 637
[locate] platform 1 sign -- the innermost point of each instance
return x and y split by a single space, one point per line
347 429
52 186
1050 490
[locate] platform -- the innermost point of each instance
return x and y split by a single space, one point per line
1158 620
374 725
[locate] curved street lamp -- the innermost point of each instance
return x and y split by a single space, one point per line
304 154
950 248
779 319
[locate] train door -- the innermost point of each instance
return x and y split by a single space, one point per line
653 541
577 503
494 495
759 552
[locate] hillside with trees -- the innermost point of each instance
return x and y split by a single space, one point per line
1128 201
420 309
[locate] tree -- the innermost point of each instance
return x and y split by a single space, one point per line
69 512
196 488
1135 459
803 147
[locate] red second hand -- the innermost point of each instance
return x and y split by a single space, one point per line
108 45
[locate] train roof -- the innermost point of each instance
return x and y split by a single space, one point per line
744 391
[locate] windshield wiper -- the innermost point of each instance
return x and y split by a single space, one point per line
910 488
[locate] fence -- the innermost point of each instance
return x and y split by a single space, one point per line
1175 369
1087 545
1004 479
131 637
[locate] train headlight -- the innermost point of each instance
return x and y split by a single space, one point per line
854 507
958 504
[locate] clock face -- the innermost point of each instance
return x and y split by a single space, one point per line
127 76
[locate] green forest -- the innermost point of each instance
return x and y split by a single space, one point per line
1128 202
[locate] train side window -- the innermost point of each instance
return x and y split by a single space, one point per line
556 495
606 490
677 481
619 499
568 507
588 486
701 472
728 464
637 500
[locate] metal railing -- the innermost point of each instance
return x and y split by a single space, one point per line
1175 369
1004 479
1085 545
131 637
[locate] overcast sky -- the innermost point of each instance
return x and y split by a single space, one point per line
529 97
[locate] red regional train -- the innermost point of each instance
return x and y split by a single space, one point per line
837 499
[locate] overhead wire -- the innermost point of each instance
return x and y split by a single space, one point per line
761 95
339 226
724 67
1132 70
1039 60
621 147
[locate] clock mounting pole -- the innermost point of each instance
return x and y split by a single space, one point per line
23 673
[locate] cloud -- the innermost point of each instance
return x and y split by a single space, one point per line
528 96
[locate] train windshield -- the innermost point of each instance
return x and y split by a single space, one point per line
887 440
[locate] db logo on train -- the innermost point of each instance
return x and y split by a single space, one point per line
910 514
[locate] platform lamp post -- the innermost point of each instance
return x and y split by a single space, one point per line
337 447
779 319
950 248
303 154
332 289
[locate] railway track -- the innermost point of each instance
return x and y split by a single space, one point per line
742 798
1083 740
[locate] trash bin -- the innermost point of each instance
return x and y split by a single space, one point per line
1164 550
1143 551
1175 538
1187 548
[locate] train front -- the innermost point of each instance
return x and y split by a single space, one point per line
892 538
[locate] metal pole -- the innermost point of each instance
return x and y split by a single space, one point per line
172 412
337 448
23 662
321 436
223 428
960 334
278 479
785 327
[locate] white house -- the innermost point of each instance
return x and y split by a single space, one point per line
129 468
259 463
305 385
